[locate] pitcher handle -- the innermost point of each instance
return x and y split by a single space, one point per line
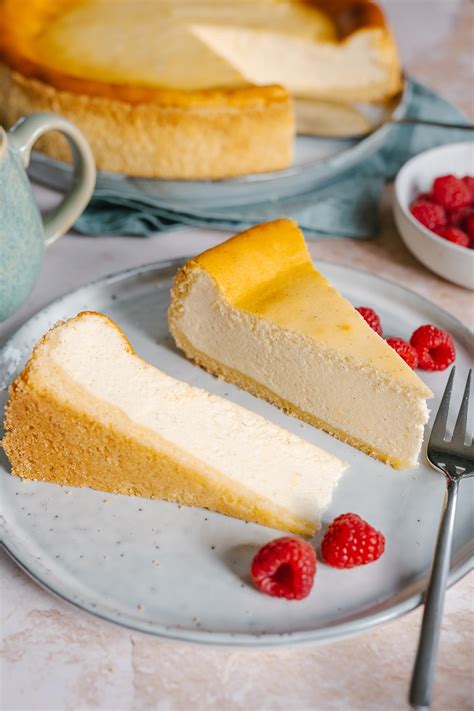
24 134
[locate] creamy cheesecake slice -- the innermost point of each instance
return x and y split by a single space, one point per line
256 312
87 411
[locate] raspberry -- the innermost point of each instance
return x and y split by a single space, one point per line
371 318
429 214
468 181
459 216
451 192
454 234
351 541
470 226
405 351
425 197
435 348
285 567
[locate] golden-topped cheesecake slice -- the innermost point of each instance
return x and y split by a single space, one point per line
87 411
189 89
256 312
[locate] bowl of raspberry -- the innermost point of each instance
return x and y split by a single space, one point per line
434 210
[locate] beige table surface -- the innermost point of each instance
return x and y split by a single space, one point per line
55 657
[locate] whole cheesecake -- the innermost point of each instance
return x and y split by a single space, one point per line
255 311
87 411
189 89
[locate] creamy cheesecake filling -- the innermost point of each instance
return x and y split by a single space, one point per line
319 381
214 433
303 66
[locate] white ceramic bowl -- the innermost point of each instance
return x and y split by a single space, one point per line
445 258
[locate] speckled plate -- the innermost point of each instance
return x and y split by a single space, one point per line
183 573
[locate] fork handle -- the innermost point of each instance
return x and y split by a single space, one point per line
423 672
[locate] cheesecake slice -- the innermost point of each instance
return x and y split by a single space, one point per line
87 411
256 312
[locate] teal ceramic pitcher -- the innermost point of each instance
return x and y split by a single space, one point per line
23 233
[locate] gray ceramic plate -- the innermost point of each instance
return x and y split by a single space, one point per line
316 161
183 573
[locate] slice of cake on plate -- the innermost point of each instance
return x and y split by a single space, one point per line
256 312
87 411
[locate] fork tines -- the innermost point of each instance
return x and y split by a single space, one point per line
454 451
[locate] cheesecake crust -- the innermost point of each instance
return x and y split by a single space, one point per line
47 440
184 141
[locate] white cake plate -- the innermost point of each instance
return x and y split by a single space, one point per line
182 573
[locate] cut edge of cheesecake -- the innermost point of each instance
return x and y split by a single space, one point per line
237 281
65 424
237 378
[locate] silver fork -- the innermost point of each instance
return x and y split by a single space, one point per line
455 459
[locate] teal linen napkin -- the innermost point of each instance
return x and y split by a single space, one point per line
348 207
